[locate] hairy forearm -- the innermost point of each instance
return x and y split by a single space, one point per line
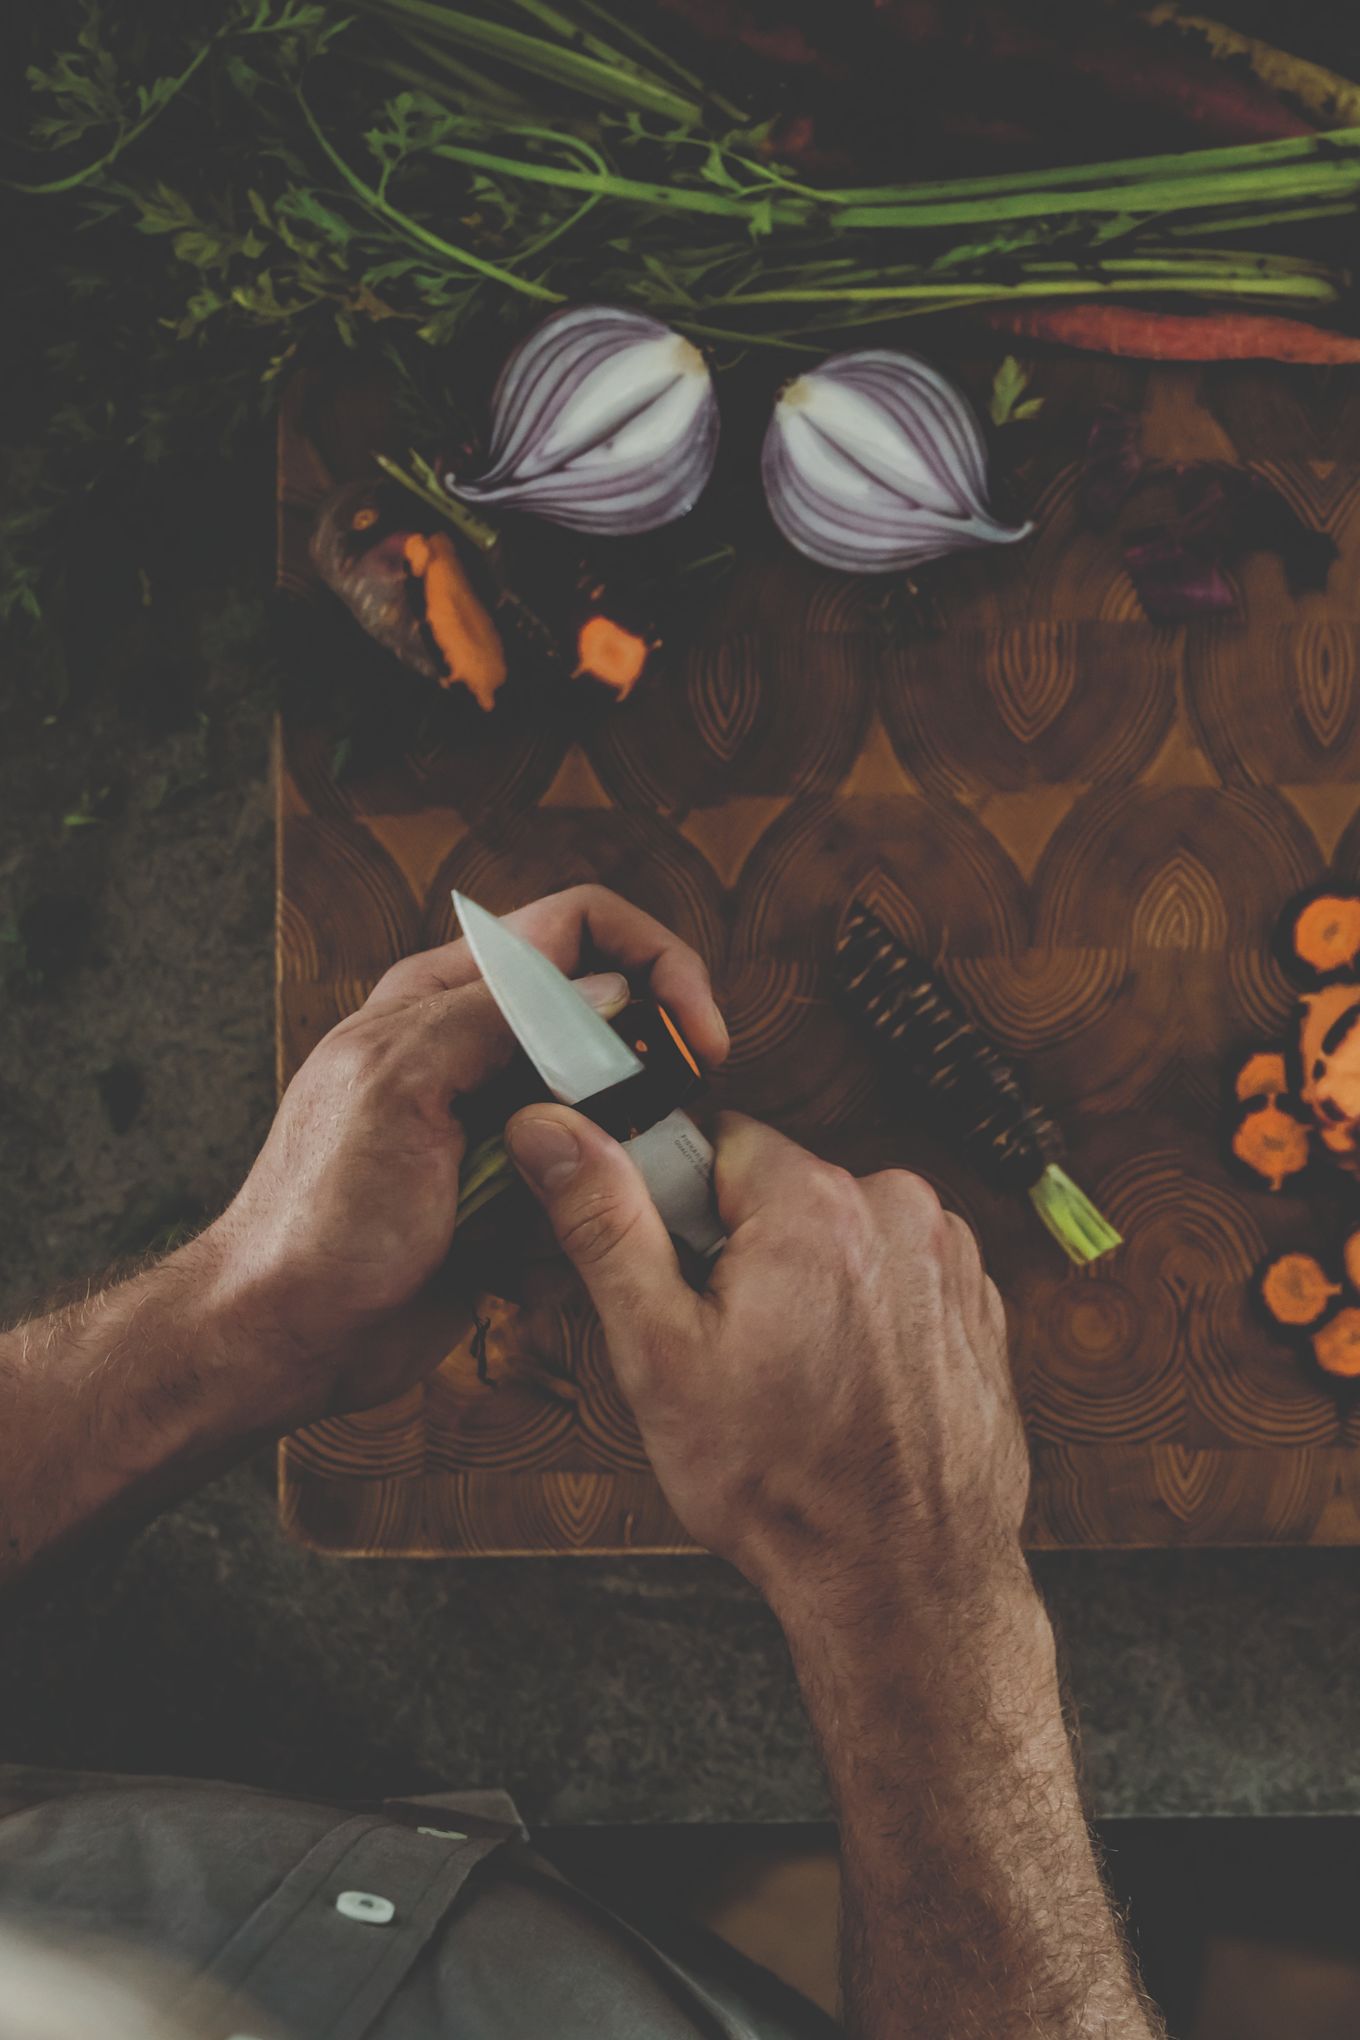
123 1399
972 1903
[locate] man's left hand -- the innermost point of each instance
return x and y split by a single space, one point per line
329 1254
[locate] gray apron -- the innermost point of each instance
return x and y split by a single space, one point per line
428 1919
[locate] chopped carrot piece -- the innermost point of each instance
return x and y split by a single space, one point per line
1351 1257
1327 932
1262 1076
1337 1345
1273 1144
606 651
467 639
1296 1291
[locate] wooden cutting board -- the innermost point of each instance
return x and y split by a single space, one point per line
1092 821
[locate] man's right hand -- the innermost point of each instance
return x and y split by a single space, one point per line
835 1415
840 1390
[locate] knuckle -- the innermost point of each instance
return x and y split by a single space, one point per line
963 1237
595 1226
914 1199
393 980
347 1057
833 1188
832 1205
585 896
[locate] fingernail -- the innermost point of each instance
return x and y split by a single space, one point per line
606 992
722 1026
546 1151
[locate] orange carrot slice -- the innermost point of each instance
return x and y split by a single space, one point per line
1326 935
1337 1345
1273 1144
1262 1076
1296 1291
467 639
606 651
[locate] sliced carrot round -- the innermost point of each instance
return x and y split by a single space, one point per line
1296 1290
1273 1144
1327 932
1262 1076
1351 1257
1337 1345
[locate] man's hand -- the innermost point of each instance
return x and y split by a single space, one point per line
840 1389
332 1243
319 1288
835 1415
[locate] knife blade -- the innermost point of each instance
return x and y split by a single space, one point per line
580 1057
574 1051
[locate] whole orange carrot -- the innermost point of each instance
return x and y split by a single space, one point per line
1177 336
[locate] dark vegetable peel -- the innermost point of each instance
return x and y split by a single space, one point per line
1012 1141
1180 565
409 589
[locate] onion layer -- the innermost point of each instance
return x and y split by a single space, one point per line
874 462
603 420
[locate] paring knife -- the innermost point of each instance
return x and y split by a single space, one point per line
585 1063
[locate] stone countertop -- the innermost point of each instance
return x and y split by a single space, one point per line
135 1085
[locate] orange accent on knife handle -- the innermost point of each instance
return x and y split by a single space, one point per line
670 1073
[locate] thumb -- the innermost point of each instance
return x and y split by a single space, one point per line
607 1225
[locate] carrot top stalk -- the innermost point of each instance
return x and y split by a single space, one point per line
928 1035
1082 1232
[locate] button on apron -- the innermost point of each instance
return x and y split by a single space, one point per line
367 1906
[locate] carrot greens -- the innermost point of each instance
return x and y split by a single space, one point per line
231 187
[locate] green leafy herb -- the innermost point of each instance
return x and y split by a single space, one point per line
1008 403
224 190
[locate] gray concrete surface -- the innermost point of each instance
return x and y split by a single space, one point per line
135 1084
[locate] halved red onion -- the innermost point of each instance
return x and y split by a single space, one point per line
603 420
874 462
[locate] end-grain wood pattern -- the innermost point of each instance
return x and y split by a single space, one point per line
1090 821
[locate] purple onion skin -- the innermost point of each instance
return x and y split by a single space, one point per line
1111 466
1179 567
546 372
897 532
1175 583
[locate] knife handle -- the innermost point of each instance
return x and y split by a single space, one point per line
676 1163
669 1075
644 1113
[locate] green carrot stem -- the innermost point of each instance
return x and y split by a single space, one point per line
606 184
1328 179
471 1202
614 80
125 139
490 96
1075 283
680 72
472 527
1080 1230
580 38
1325 179
1187 163
1251 223
383 208
487 1171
